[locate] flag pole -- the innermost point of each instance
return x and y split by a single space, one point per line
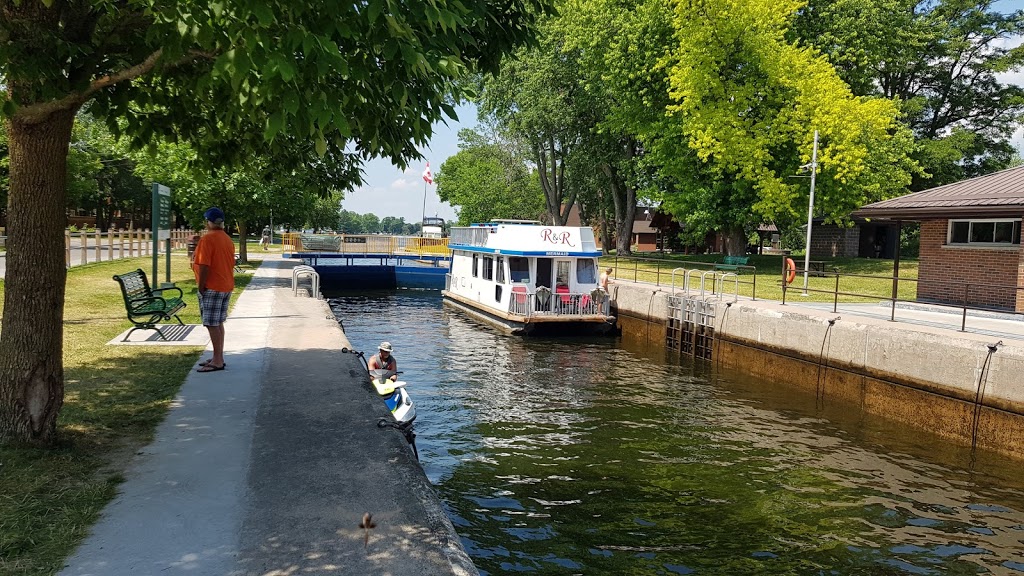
424 215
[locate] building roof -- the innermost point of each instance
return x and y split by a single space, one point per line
643 227
994 195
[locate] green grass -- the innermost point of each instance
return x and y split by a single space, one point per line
658 270
114 398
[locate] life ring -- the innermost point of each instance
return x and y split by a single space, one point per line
790 270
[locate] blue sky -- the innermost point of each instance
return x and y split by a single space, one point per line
388 191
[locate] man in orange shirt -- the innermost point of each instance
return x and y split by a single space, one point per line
214 264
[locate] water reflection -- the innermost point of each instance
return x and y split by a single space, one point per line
594 456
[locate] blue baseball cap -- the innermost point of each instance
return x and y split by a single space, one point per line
215 215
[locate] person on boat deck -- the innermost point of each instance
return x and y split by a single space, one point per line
606 278
383 360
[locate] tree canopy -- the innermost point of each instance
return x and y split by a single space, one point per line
489 179
272 79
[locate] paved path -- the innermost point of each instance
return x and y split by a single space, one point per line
267 467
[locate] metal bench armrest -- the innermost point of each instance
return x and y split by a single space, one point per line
159 291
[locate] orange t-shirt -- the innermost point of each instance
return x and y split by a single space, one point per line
217 251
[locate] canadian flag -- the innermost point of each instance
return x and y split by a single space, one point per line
427 176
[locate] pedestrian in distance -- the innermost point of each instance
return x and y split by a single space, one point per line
213 265
265 238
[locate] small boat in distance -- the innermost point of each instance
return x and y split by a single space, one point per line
525 278
432 227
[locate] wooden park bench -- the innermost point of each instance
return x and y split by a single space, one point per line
146 306
731 263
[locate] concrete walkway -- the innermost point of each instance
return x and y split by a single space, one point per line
266 468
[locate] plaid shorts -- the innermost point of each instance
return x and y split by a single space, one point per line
214 307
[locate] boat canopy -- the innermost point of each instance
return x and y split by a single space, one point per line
522 239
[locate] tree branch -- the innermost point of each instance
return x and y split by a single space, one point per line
36 113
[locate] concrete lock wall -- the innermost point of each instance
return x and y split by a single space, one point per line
926 379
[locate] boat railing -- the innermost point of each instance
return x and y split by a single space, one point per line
548 303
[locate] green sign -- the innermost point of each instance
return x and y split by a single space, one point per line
161 212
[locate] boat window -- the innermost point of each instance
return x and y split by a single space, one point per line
586 271
519 269
501 269
562 274
488 268
476 265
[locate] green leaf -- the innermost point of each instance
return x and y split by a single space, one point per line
285 69
321 146
274 124
263 13
376 6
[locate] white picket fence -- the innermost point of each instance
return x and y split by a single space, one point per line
99 246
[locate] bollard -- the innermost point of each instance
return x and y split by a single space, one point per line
110 242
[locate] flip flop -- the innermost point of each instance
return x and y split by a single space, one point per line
211 368
207 363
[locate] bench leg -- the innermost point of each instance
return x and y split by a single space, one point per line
125 339
179 320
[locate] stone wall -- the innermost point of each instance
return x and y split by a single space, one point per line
917 375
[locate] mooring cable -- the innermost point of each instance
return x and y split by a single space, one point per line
819 386
979 396
718 357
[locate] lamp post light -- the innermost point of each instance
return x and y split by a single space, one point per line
810 209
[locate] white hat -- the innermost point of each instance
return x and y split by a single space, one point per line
385 347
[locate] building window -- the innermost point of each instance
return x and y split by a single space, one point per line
984 232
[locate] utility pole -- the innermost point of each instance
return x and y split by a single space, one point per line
810 210
271 228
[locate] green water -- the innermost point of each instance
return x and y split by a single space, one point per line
598 457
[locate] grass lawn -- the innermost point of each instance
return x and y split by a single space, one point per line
114 398
769 271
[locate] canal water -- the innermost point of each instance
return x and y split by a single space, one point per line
598 456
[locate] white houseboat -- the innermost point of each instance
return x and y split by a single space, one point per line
524 277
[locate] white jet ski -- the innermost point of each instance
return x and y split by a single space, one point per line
395 397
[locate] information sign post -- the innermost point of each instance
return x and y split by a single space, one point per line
161 226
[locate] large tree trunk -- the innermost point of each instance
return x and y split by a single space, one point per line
624 199
31 365
243 234
735 242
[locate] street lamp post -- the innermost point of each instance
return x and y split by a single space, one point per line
810 209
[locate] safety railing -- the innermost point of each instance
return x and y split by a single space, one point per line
547 303
367 244
946 294
664 271
300 272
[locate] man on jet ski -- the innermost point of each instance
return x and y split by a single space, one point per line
383 360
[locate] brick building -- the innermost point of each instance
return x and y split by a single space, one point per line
861 240
970 239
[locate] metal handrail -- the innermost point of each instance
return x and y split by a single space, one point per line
674 270
736 287
894 298
657 262
314 278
